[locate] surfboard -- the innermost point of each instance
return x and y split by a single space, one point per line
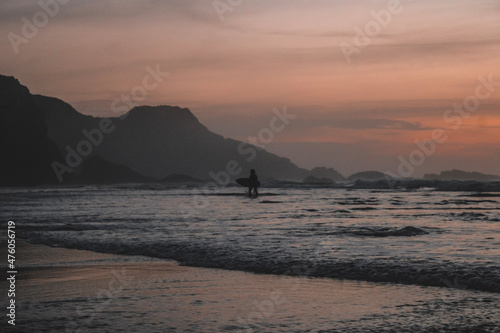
246 182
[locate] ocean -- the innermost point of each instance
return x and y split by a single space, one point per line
438 240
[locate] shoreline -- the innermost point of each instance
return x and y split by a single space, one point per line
67 290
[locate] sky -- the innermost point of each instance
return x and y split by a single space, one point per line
365 80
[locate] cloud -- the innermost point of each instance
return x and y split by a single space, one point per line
368 123
451 50
14 10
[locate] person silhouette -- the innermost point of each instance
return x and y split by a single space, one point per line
254 184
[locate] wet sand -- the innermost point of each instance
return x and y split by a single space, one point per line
64 290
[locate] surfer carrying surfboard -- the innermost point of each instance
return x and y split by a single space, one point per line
254 183
251 182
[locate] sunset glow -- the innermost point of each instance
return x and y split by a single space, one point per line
231 69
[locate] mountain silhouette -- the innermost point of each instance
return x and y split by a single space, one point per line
367 175
26 150
96 170
316 180
329 173
460 175
162 140
44 140
180 178
50 142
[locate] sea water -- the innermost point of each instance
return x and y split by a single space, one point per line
420 237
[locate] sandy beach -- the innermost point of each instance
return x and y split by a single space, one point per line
65 290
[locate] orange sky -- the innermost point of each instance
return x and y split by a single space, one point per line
269 54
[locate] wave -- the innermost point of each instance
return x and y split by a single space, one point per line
230 256
463 202
473 217
243 193
357 201
372 231
386 232
398 184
